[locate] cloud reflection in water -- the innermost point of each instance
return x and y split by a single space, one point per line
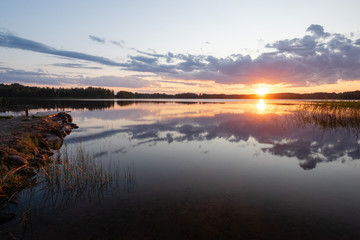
309 142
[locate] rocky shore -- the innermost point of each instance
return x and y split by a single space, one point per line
26 145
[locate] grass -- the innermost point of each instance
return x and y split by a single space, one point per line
76 176
3 117
129 174
11 183
72 177
329 115
342 104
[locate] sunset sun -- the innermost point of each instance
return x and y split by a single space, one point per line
262 90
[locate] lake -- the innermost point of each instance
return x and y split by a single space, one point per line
187 169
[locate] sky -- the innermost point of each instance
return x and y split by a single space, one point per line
229 47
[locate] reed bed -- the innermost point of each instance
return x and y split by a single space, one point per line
329 115
75 177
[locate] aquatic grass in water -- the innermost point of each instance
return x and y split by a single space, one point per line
73 177
129 174
76 176
329 115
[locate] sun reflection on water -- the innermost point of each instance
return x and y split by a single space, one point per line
261 105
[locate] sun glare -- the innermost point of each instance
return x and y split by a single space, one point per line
262 91
261 105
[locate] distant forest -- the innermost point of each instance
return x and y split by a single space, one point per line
345 95
18 90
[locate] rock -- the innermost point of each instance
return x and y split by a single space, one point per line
6 216
62 134
28 171
56 119
69 117
65 117
54 141
58 132
17 160
73 125
66 128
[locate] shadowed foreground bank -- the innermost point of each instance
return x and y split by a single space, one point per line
25 144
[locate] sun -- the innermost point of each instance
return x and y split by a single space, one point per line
262 91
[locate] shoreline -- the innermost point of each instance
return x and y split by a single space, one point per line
26 145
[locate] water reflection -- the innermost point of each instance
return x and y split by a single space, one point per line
234 165
261 105
288 131
18 105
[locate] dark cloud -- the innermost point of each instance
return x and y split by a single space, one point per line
97 39
144 59
74 65
11 41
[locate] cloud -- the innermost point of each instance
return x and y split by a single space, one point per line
97 39
10 41
118 43
275 134
114 81
74 65
103 40
9 75
317 30
319 57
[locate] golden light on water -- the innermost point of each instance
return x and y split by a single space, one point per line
261 105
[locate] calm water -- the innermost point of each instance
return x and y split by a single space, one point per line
199 170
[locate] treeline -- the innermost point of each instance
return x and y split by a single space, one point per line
18 90
345 95
130 95
354 95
